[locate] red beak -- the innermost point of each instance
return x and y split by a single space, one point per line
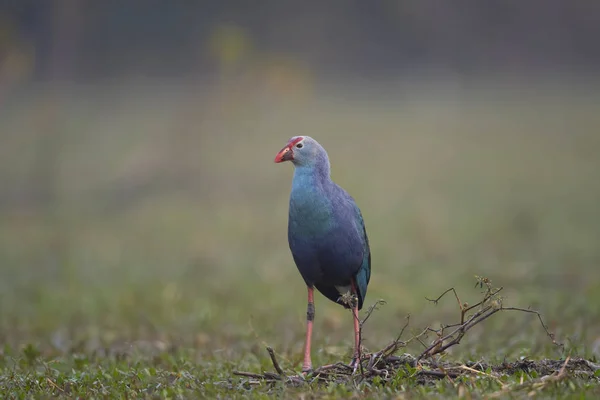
285 154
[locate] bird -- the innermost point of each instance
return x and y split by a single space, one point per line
327 237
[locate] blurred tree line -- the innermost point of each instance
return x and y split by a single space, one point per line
243 48
87 39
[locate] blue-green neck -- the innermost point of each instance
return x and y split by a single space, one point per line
304 178
310 206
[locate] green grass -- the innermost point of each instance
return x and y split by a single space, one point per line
107 294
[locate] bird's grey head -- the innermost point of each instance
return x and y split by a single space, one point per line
303 151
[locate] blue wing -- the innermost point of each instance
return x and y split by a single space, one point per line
363 276
329 243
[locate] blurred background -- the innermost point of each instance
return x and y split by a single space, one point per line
139 201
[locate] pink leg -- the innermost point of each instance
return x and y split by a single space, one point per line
310 317
356 356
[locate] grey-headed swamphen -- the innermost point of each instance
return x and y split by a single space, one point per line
327 236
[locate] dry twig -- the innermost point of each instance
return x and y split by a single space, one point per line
274 361
384 363
488 306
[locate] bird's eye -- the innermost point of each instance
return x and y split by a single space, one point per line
299 146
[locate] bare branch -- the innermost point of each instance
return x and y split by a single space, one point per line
372 308
274 361
384 362
489 305
435 301
548 333
248 374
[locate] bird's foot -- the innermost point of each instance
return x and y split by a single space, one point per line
306 370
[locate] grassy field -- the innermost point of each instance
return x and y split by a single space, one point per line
161 264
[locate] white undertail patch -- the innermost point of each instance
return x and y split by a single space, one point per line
343 289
